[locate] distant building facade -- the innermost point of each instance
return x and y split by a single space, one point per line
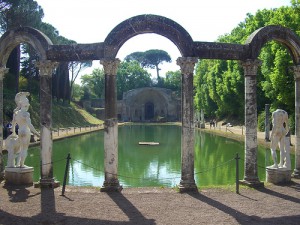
149 104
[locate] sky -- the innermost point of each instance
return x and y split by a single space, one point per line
90 21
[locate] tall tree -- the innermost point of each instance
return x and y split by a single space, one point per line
150 59
75 68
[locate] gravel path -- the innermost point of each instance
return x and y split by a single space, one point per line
270 205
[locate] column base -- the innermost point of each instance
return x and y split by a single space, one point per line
187 186
278 175
111 186
253 183
19 175
296 174
47 183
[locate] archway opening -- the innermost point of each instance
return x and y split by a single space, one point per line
149 111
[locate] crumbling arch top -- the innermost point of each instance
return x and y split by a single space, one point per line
39 41
144 24
274 32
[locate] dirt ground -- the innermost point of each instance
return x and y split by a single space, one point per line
273 204
270 205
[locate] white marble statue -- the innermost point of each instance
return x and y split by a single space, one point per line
21 118
280 136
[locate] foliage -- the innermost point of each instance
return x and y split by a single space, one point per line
131 75
173 81
93 84
219 85
150 59
18 13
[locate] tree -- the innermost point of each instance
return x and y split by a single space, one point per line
150 59
173 81
219 84
75 68
131 75
94 83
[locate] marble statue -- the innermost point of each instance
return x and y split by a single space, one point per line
18 143
12 145
280 136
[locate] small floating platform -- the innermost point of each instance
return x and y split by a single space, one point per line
148 143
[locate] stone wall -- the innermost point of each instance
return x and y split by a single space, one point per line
149 104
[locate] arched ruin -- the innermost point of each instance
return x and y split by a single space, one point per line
190 50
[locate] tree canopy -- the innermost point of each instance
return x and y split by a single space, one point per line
219 84
150 59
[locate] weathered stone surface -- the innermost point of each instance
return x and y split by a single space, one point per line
187 182
10 39
17 175
213 50
273 32
278 176
296 69
46 69
76 52
250 166
148 24
149 104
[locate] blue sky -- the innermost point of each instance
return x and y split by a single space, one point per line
89 21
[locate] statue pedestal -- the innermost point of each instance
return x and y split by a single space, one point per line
278 175
19 175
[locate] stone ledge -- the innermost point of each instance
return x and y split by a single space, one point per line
19 175
278 175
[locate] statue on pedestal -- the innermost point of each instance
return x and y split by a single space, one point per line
18 143
280 136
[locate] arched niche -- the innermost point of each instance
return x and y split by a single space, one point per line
9 40
274 32
144 24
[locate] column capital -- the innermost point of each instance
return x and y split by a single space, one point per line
187 64
110 66
46 67
251 66
3 71
296 70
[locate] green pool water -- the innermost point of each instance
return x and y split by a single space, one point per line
141 166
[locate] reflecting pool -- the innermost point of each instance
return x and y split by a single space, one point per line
140 165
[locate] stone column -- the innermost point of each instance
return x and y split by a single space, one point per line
3 71
296 69
111 182
187 182
250 167
267 122
46 68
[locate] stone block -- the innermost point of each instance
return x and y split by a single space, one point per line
278 175
19 175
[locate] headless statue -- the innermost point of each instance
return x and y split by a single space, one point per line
19 143
280 136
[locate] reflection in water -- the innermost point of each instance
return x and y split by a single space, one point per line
140 165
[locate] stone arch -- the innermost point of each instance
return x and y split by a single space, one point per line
144 24
9 40
274 32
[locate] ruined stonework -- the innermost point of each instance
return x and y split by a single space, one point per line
149 104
